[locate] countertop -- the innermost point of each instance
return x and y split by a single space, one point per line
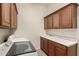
63 41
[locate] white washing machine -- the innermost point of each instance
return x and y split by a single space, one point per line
17 47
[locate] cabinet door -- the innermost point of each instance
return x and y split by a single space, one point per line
56 20
13 16
6 14
74 16
51 50
50 22
60 51
41 43
44 45
66 17
45 23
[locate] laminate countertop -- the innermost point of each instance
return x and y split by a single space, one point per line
64 41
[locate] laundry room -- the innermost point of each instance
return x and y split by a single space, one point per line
39 29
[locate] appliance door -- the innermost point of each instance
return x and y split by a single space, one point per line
20 48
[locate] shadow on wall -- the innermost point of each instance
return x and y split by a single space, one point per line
12 31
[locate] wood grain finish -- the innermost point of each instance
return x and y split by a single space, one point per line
60 51
72 51
49 22
44 44
63 18
75 4
13 16
74 15
6 14
45 23
52 48
41 43
56 20
66 17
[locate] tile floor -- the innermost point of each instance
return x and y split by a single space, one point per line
41 53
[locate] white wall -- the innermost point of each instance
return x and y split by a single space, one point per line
73 33
54 6
30 22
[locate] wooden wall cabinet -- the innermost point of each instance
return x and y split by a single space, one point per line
56 20
45 23
49 22
13 16
65 17
52 48
6 11
5 15
68 17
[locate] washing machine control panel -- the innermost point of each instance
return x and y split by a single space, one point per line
5 48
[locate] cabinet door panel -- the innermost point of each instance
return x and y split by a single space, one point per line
66 17
45 23
74 15
45 46
41 43
60 51
50 22
51 50
13 16
56 20
6 14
